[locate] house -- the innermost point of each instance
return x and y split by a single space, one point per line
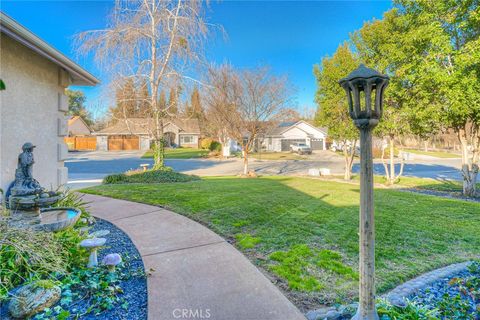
79 135
78 127
33 104
281 137
137 134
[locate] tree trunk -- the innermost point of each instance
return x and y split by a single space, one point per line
159 144
470 167
348 160
392 163
245 162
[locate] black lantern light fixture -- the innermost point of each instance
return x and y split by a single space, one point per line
364 88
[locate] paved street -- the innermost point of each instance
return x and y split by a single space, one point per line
88 168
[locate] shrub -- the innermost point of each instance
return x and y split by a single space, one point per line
412 311
215 146
28 255
209 144
205 143
73 199
150 176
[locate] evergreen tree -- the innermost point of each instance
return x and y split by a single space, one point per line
76 105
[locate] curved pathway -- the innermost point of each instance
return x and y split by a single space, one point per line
196 274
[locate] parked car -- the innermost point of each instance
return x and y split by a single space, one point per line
300 148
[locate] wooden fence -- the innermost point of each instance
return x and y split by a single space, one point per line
81 143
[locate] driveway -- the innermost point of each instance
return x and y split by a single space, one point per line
88 168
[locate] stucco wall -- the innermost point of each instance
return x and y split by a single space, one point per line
32 109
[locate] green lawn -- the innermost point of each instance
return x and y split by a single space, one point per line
278 156
180 153
438 154
304 232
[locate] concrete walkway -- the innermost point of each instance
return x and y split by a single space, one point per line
197 274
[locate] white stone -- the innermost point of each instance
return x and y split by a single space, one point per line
325 172
314 172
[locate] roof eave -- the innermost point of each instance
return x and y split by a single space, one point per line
13 29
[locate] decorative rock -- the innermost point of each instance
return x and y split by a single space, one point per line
93 245
333 315
99 233
111 261
398 295
32 299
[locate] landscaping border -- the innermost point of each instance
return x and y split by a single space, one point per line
398 295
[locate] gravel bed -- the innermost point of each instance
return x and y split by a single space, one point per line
431 295
135 288
444 194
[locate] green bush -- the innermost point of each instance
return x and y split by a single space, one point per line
73 199
215 146
165 175
412 311
209 144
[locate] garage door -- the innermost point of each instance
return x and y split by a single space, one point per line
316 144
116 143
287 142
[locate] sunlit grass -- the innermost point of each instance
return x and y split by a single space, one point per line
414 233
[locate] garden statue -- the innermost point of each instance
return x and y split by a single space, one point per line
25 184
30 202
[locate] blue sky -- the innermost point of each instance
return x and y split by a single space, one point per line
290 36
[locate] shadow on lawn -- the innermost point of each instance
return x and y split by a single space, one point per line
414 233
433 171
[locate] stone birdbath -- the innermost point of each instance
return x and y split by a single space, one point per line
92 245
30 202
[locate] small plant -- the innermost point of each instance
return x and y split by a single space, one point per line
28 255
74 200
412 311
97 285
206 143
246 241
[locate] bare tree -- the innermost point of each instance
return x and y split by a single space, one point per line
247 104
221 98
152 42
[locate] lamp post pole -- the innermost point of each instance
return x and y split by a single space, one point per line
359 86
366 308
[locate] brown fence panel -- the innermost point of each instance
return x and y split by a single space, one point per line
85 143
70 142
81 143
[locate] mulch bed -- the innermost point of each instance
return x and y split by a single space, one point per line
135 288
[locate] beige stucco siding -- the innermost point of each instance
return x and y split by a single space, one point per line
30 111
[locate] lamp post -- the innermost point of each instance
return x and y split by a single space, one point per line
364 88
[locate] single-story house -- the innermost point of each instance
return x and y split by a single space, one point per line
78 127
136 134
282 136
33 105
79 135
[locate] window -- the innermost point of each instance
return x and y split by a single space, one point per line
186 139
